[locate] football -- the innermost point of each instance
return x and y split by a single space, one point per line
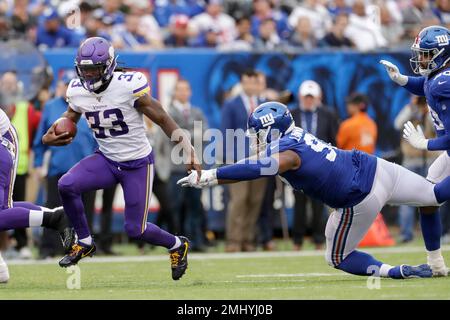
65 125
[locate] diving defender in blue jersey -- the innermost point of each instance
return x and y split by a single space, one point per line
431 60
357 185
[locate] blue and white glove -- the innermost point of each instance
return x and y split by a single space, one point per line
394 73
207 178
415 136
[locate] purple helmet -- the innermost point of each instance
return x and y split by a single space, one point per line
95 63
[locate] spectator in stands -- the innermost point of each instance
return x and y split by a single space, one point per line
362 30
147 24
131 36
178 32
245 204
165 9
187 203
442 11
339 7
207 39
316 12
359 131
267 38
61 160
263 10
416 16
415 160
244 39
75 16
96 27
4 28
23 24
214 19
312 116
112 11
303 36
52 34
336 38
391 22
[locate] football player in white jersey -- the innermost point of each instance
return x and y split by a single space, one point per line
15 215
114 103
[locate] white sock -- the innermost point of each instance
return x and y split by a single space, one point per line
384 270
87 241
177 243
435 255
35 218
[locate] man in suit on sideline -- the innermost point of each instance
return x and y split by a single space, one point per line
317 119
245 197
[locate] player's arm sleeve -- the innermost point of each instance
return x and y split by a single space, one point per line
249 169
415 85
139 85
38 147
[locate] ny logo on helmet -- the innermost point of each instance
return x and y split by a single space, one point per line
267 120
442 40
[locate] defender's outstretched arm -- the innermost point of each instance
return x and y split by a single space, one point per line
247 169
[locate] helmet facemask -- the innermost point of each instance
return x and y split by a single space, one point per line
261 138
423 60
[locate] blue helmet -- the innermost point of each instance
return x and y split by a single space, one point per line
270 121
430 50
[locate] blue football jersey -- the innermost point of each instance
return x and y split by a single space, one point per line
339 178
437 92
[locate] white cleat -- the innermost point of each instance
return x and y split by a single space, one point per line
4 272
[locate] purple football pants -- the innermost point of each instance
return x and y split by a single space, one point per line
12 215
97 172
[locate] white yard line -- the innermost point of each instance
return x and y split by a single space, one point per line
219 256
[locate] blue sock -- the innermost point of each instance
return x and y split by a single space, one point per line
431 225
442 190
359 263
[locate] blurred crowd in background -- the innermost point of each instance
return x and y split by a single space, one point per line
224 24
261 25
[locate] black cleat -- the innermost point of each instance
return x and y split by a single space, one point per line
57 220
179 259
77 252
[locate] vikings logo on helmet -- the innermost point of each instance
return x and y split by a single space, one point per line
95 63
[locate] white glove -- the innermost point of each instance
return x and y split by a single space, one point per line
207 178
415 136
394 73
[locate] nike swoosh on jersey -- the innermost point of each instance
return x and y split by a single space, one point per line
439 82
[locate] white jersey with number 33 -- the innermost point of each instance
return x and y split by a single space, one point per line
116 124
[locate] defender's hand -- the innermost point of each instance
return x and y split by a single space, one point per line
52 139
415 136
394 73
206 179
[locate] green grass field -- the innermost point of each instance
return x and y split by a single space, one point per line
260 275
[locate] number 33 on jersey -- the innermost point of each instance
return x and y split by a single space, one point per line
116 124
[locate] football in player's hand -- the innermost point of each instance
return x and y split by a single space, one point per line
65 125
